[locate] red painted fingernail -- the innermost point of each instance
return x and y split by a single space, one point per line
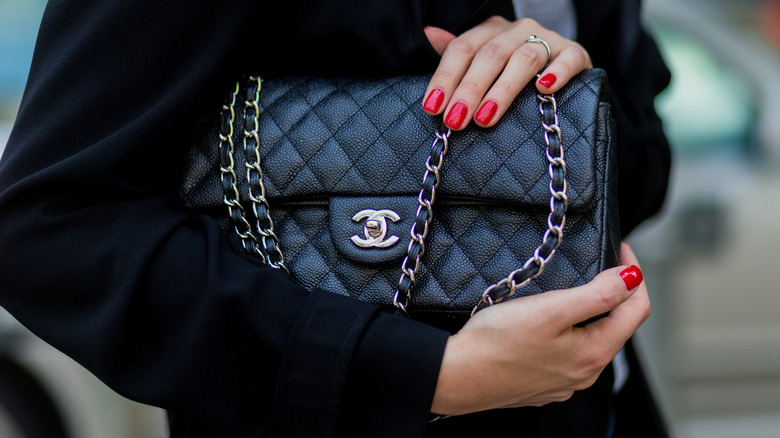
434 100
456 116
548 80
486 113
632 277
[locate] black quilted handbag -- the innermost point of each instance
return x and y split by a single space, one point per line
335 180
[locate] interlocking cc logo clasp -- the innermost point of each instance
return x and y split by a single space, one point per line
375 228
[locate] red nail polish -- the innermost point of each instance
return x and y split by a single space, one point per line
434 100
486 113
632 277
548 80
456 116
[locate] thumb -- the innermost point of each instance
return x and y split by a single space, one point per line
601 295
438 37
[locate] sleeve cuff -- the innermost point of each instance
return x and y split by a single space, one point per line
350 369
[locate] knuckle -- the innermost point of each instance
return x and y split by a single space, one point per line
469 87
608 298
576 58
594 363
492 52
462 46
529 55
582 55
647 310
496 19
526 22
586 383
504 87
601 360
579 374
447 76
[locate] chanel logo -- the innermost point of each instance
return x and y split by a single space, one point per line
375 228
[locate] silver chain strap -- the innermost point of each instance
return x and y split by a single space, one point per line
269 251
556 220
264 225
403 294
230 181
268 248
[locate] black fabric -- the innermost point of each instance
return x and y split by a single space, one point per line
611 31
102 261
588 414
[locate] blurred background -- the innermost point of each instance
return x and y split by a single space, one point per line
712 345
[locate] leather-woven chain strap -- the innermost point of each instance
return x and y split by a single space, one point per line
556 220
422 220
267 246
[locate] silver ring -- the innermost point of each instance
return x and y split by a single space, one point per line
536 39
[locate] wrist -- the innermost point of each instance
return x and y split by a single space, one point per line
446 385
459 389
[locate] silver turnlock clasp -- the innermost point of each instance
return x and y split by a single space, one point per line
375 228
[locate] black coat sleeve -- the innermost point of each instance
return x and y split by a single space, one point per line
101 260
612 31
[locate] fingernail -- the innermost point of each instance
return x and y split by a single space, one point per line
434 100
486 113
548 80
456 116
632 277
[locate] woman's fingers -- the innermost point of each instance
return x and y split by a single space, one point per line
493 57
572 59
520 69
567 59
455 62
439 38
484 69
609 290
625 319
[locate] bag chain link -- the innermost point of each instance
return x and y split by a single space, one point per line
556 220
267 247
403 294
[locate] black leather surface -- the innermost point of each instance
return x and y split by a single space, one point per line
331 147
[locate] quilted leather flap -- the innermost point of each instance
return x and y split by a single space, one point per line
322 137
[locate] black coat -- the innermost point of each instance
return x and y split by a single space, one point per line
101 260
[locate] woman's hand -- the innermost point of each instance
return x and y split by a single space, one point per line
484 69
530 351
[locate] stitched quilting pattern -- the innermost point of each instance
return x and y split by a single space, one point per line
366 138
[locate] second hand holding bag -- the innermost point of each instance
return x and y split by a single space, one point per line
345 172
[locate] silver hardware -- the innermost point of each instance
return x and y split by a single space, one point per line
554 231
229 179
264 225
417 244
267 247
375 228
536 39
